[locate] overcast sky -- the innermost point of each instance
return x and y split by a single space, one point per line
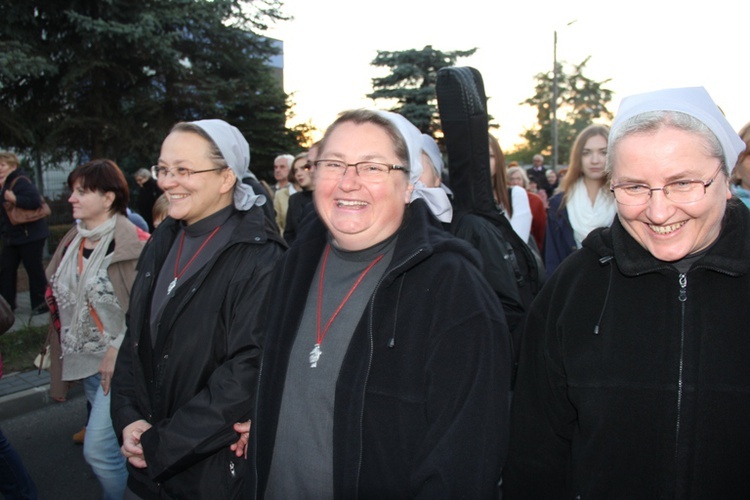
641 45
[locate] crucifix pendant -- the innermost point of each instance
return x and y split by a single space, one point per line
315 356
171 286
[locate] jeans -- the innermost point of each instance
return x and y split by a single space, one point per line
15 481
101 448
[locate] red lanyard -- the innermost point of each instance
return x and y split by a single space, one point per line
177 273
320 335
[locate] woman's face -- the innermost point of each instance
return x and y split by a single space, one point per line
360 214
669 230
515 178
5 170
551 176
302 174
91 207
594 158
196 196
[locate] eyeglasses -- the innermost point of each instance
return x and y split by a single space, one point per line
680 191
179 172
369 170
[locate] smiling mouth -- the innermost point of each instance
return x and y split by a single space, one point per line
667 229
350 203
178 196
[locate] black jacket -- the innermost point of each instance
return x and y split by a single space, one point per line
634 380
300 206
27 196
147 195
422 394
200 376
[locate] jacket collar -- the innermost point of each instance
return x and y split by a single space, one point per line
420 235
727 255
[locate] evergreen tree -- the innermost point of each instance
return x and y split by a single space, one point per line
411 83
92 78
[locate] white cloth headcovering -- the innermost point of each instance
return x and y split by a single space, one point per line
693 101
236 151
436 199
430 147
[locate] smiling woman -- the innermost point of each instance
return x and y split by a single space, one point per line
189 362
370 350
634 363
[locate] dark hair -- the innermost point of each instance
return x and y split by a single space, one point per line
103 176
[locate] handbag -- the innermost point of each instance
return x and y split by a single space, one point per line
18 215
41 360
7 318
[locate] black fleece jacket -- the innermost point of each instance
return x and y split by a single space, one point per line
634 379
422 397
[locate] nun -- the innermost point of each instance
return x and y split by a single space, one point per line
189 363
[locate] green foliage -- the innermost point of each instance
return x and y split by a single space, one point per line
109 78
581 101
411 83
20 347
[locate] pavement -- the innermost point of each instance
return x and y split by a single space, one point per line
22 392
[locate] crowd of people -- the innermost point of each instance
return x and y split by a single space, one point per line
391 321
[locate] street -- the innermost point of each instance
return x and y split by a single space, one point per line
43 438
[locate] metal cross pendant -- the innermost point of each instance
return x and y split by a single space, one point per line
315 356
171 286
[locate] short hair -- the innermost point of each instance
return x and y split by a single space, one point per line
289 159
104 176
10 158
362 116
142 172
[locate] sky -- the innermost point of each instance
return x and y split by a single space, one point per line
639 45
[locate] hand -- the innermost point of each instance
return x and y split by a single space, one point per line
240 447
10 196
107 368
131 443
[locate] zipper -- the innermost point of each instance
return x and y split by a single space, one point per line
682 297
369 360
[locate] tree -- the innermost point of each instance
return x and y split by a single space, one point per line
86 78
581 101
411 83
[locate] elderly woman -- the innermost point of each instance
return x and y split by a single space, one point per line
379 379
634 379
90 276
189 363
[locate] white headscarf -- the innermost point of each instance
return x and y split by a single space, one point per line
236 151
436 199
431 149
693 101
